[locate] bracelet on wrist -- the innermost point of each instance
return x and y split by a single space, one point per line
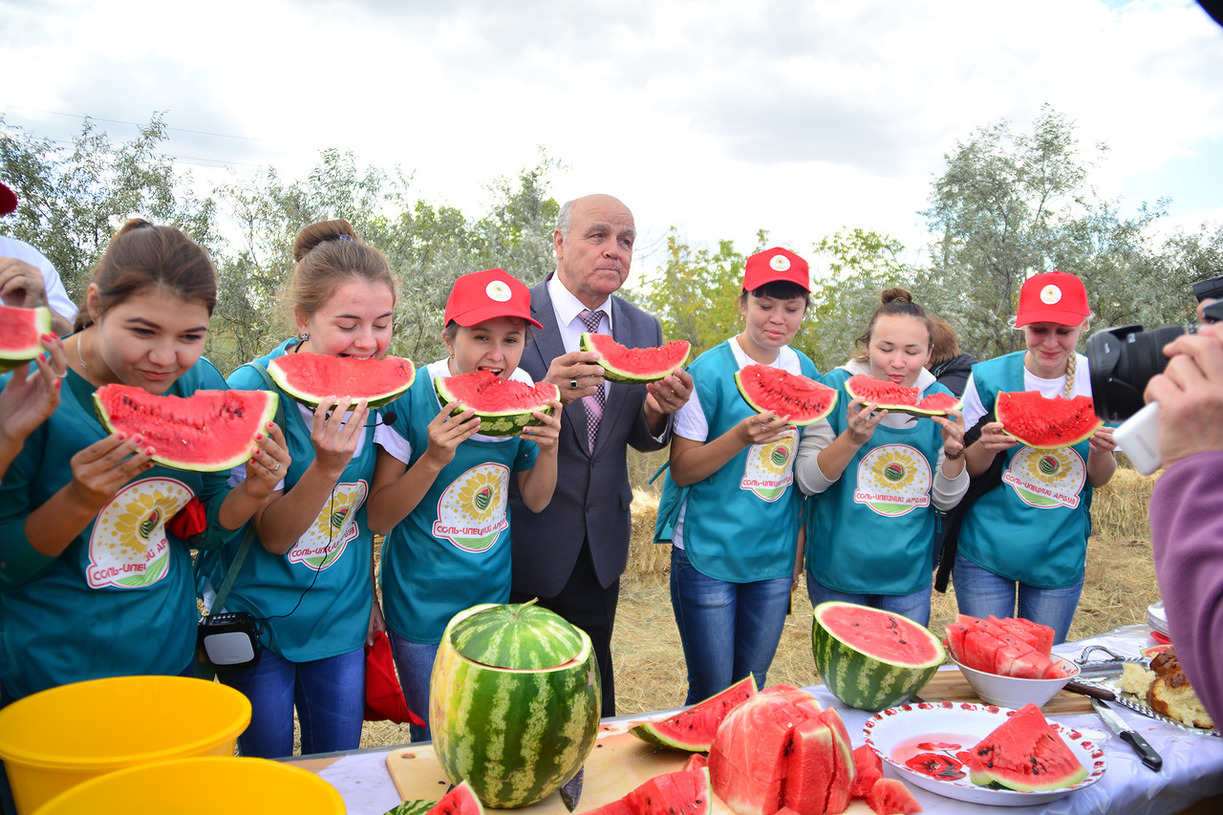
953 457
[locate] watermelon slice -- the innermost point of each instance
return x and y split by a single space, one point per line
869 658
1025 753
686 792
868 768
794 397
636 365
898 398
311 378
504 406
693 729
205 432
21 331
1048 424
460 800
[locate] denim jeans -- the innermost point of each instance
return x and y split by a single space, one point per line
414 662
329 695
728 630
980 593
915 606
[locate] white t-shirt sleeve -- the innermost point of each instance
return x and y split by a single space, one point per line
690 421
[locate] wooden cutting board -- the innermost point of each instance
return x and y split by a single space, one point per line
619 763
951 686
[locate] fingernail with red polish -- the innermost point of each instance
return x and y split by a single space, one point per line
258 437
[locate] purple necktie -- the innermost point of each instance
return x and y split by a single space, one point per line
594 404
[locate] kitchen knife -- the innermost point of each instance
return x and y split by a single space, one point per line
1140 745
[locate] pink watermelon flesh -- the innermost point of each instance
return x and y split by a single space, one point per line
1024 753
21 331
882 635
1047 423
208 431
617 807
868 768
310 378
696 761
890 797
505 406
843 761
1007 647
693 728
899 398
636 365
793 397
811 768
460 800
686 792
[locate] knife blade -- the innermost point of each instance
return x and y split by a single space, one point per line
1115 723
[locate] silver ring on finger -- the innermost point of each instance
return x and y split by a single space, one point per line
276 469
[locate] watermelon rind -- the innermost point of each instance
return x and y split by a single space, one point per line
693 728
899 398
794 397
311 378
460 800
208 431
21 331
1044 423
515 734
636 366
481 390
857 673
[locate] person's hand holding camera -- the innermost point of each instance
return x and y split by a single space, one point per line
1190 394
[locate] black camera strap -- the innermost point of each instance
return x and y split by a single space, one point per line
955 516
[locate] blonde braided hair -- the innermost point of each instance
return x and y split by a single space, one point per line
1071 364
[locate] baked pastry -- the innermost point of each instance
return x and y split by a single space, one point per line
1166 690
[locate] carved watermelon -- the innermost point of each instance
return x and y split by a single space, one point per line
794 397
693 729
636 365
206 432
869 658
513 702
1047 423
505 406
686 792
1025 753
21 331
311 378
899 398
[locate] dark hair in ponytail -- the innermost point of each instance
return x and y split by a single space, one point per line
327 254
896 302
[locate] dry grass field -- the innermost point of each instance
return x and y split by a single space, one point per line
1120 584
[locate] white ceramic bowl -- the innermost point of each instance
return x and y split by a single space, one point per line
1014 691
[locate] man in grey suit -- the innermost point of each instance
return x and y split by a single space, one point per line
572 554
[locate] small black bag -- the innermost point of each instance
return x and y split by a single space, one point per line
955 516
229 641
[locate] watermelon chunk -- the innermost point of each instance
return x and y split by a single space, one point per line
1007 647
868 768
636 365
21 331
692 729
890 796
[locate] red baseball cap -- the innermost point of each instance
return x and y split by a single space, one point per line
8 199
776 264
486 295
1052 297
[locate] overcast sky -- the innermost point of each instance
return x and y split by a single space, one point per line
719 117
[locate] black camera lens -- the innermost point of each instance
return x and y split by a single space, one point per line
1122 362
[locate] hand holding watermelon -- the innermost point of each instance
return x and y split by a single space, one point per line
670 393
102 468
29 398
762 428
269 463
335 432
576 374
861 419
547 433
447 432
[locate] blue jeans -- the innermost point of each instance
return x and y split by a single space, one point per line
414 662
728 630
329 695
980 593
915 606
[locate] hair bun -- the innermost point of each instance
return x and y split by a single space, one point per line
321 232
896 295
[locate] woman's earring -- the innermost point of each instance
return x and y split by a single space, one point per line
303 336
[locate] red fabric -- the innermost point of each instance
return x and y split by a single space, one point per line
190 521
383 696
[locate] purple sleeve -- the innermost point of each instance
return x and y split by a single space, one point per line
1187 538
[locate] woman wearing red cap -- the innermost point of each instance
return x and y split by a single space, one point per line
437 477
1025 541
729 505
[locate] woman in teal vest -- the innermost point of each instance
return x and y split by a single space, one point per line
441 487
1023 545
878 477
734 513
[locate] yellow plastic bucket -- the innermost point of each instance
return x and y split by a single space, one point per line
201 786
54 740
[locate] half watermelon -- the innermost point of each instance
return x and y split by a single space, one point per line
311 378
693 728
21 331
1047 423
898 398
790 396
504 406
205 432
636 365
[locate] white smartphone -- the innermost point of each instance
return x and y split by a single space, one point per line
1138 437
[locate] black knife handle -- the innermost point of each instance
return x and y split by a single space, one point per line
1144 750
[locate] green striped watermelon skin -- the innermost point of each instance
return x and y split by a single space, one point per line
515 735
870 682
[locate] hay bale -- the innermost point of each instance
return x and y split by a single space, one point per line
1119 509
644 555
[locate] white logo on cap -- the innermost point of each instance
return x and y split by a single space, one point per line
1050 294
498 290
779 262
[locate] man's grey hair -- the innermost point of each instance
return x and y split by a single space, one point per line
563 217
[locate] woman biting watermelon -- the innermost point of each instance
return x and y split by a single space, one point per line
878 475
308 578
440 488
1023 544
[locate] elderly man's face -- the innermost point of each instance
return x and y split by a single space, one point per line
593 260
